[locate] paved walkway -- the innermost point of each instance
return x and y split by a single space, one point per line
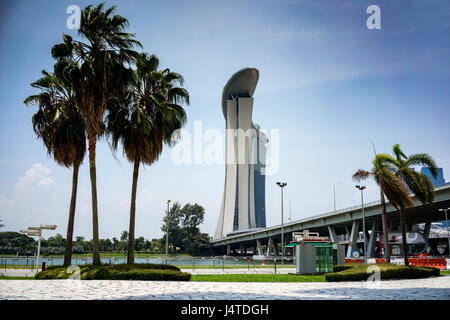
431 288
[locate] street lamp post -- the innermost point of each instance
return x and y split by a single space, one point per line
334 194
167 229
361 188
37 232
448 233
282 185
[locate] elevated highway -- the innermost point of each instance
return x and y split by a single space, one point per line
344 223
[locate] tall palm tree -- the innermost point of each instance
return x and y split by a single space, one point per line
390 186
417 182
62 130
104 55
145 119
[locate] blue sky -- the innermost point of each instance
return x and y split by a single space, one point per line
330 86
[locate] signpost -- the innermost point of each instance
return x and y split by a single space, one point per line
37 232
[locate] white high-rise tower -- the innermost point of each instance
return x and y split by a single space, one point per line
243 204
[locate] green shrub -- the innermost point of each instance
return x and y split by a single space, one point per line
358 272
339 268
155 272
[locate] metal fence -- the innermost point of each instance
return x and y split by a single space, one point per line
269 265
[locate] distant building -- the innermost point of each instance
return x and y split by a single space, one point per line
440 177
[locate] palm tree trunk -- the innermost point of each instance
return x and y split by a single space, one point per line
404 244
73 201
130 259
92 139
387 251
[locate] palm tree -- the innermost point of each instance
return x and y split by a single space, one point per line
62 130
145 119
390 186
417 182
99 60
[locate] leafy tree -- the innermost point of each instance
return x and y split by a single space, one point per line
124 236
56 241
145 120
201 243
115 244
176 234
62 130
139 244
191 217
14 242
99 61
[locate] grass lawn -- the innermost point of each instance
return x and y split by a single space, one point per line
257 278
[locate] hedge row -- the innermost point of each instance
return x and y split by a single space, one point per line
153 272
358 272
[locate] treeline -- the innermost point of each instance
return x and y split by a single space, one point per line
184 237
15 243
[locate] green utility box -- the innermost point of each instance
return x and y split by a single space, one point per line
314 257
324 257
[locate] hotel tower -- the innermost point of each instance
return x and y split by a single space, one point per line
243 206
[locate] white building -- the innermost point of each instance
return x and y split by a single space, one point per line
243 204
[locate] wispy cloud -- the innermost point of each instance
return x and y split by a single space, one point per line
36 175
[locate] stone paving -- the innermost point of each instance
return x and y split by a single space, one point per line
431 288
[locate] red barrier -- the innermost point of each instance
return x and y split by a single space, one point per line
439 263
349 260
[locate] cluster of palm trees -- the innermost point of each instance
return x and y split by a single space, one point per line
393 174
101 85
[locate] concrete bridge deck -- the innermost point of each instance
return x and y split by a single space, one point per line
347 222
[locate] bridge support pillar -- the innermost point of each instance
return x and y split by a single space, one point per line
228 250
372 242
271 247
258 247
332 234
347 233
352 245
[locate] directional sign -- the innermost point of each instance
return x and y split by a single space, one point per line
33 233
48 226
